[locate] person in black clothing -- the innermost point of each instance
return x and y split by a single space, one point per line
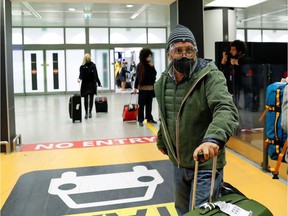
89 77
225 67
144 84
239 64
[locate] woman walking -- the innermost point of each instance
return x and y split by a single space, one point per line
89 77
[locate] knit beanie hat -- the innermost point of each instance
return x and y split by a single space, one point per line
181 33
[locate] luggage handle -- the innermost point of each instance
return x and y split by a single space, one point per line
132 93
100 89
201 155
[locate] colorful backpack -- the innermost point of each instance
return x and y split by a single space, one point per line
275 142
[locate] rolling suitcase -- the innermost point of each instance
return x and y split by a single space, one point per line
101 104
130 111
230 204
75 110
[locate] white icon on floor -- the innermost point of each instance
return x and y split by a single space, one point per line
140 177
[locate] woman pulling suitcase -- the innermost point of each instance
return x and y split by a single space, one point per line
89 77
144 83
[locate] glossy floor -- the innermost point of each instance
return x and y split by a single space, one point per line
106 150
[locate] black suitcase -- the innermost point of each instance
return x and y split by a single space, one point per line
101 104
75 109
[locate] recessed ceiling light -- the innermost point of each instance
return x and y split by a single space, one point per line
71 9
234 3
129 5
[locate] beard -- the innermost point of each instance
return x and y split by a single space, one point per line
183 65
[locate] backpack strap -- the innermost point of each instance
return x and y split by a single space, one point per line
275 171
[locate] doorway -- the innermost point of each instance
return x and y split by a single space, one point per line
44 71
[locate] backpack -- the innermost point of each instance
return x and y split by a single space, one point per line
275 142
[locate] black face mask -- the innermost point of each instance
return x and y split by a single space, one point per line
183 65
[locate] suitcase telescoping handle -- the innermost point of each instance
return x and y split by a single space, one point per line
196 175
131 95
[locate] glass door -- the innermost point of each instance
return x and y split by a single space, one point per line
44 71
34 71
55 70
101 58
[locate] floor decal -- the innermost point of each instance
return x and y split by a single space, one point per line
137 188
87 143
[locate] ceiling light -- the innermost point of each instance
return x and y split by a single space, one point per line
139 11
234 3
31 9
134 16
129 5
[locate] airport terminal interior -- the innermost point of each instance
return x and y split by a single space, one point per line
96 154
103 165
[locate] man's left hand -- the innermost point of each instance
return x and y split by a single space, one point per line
208 149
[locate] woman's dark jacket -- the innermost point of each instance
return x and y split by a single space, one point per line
148 78
89 77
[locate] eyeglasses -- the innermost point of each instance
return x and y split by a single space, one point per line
178 52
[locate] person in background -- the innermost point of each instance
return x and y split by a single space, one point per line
197 115
89 77
241 73
225 67
144 84
133 73
133 67
234 66
123 75
117 69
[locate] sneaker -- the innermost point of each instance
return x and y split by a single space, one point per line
86 116
90 115
152 121
141 124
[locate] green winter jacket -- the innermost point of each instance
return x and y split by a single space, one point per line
193 110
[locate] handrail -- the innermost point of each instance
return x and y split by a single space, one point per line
18 137
7 145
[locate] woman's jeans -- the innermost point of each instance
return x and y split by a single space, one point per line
183 181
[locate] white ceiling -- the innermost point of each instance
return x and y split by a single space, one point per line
272 14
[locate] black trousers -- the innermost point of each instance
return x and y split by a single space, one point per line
145 99
88 100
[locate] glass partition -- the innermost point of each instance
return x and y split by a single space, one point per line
98 35
159 59
128 35
254 35
240 34
75 36
43 36
156 35
275 36
101 59
112 69
17 36
18 71
73 62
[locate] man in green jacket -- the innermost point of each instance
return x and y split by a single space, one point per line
197 116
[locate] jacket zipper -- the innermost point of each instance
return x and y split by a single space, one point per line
178 117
